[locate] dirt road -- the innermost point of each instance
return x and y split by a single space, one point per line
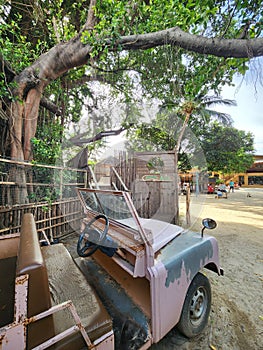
236 320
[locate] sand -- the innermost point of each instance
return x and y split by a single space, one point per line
236 319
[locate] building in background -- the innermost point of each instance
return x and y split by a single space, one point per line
253 177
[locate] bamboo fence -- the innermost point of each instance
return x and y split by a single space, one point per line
51 197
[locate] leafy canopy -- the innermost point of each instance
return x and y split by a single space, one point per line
29 29
227 150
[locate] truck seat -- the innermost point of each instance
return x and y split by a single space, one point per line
67 282
30 261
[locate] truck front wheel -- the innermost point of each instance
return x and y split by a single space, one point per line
196 307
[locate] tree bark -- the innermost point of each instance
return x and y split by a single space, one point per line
176 154
67 55
30 120
31 83
237 48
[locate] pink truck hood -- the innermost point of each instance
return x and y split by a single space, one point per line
159 233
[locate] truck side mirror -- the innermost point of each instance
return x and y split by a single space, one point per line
209 224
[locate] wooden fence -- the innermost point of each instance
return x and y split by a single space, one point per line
50 195
152 198
56 220
38 181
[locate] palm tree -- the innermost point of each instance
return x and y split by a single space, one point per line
173 118
209 114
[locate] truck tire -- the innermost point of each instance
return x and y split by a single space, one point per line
197 305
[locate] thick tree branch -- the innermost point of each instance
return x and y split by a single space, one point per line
237 48
49 105
79 140
91 20
74 53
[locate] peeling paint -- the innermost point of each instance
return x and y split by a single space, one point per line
27 321
22 279
188 251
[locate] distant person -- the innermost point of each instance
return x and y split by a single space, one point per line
210 188
219 194
222 188
184 188
231 186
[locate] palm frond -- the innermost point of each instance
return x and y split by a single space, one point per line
216 100
222 117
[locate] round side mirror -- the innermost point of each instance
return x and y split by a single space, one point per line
209 223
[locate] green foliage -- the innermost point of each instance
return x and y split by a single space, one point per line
173 72
174 76
227 150
47 144
148 137
162 133
144 16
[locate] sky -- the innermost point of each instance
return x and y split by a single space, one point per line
248 114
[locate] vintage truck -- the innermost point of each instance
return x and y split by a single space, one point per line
132 281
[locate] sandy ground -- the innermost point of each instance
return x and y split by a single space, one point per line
236 319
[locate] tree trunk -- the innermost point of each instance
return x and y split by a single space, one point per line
30 120
67 55
176 192
176 153
19 194
31 83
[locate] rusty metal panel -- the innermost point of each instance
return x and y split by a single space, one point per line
12 337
